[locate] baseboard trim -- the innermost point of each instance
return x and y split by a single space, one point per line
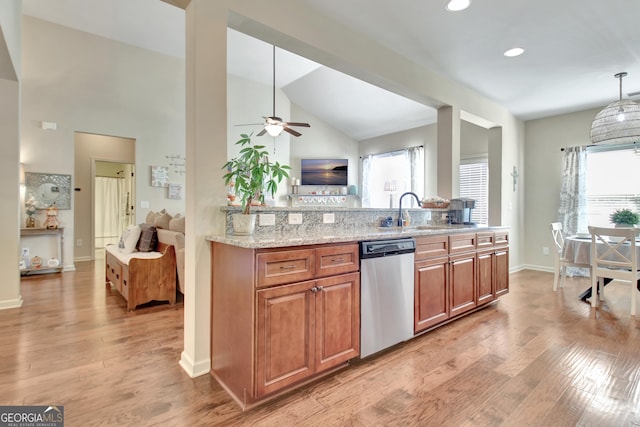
192 368
11 303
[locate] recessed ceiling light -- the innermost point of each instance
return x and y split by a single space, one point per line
457 5
516 51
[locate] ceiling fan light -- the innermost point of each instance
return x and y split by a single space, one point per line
618 122
274 129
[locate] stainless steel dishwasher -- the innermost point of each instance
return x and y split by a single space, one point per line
386 293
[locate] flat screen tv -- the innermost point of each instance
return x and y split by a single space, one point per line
324 171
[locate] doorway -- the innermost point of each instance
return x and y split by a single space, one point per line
114 202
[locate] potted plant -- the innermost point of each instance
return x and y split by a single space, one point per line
624 218
31 210
252 174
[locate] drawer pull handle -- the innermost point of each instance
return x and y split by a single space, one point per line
287 267
337 259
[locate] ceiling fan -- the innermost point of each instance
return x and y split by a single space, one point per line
273 125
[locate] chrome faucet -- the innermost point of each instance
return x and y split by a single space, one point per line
400 222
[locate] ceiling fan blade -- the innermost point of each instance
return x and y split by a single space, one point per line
291 131
262 132
307 125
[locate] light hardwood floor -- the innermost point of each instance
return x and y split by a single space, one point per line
535 358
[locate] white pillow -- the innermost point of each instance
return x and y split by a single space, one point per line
129 239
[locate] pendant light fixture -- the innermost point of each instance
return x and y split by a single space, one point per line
618 122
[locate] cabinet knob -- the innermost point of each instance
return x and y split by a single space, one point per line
314 289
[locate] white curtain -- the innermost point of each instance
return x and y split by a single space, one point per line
366 188
416 160
573 196
110 207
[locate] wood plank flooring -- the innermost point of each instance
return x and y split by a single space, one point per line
535 358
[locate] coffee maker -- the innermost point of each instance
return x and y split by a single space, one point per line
460 211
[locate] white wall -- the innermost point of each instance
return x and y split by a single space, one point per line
543 171
91 84
10 58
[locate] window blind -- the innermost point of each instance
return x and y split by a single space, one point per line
474 184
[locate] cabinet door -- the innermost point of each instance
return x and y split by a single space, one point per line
501 272
286 340
337 320
431 293
486 277
462 269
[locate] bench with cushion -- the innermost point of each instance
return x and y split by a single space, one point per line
143 276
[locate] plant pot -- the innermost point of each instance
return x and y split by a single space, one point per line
243 225
620 239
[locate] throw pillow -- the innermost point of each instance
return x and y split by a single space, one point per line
177 224
162 221
151 218
148 238
129 239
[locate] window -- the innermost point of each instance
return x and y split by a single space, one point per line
474 184
386 176
613 182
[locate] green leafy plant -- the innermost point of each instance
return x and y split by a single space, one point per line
31 208
624 216
252 173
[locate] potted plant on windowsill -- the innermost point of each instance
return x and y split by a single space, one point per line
251 174
624 218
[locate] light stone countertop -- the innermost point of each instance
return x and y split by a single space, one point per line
276 239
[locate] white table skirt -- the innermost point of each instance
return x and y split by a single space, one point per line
578 250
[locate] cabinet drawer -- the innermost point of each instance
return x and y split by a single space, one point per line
485 239
336 259
276 268
114 270
460 243
124 289
431 246
501 238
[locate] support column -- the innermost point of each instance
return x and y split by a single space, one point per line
495 176
206 152
448 152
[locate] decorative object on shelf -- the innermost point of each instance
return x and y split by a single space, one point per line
624 218
31 210
45 188
52 222
174 191
159 176
36 262
618 122
53 262
253 174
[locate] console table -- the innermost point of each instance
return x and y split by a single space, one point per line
54 232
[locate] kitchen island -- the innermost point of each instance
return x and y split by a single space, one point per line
286 305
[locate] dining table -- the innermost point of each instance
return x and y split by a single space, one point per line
577 249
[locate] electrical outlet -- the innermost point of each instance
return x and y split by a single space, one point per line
328 218
545 251
144 204
79 242
25 251
267 219
295 218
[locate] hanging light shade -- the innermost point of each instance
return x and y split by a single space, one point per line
618 122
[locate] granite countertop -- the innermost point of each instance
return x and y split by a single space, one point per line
276 240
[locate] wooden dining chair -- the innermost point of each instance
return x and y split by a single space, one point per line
614 255
561 262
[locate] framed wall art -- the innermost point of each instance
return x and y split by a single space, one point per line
159 176
174 191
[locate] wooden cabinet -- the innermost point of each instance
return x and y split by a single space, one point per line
455 274
306 306
306 328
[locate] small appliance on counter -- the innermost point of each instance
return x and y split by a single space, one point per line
460 211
